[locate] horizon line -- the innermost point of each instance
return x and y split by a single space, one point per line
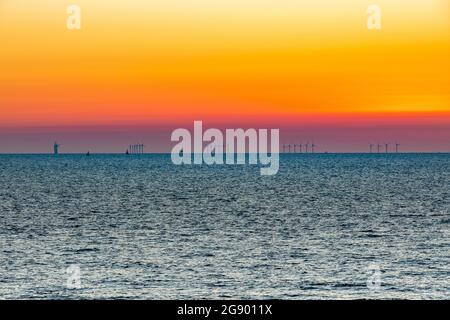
168 153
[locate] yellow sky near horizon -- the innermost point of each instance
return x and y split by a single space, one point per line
148 58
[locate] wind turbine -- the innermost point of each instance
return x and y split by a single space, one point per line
386 145
371 147
306 147
55 148
378 147
300 147
295 146
289 147
312 147
284 148
396 147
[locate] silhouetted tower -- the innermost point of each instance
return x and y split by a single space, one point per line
386 146
396 147
306 147
370 147
55 148
312 147
289 147
378 147
300 147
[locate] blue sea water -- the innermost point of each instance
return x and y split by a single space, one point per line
327 226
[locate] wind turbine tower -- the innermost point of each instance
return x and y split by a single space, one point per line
55 148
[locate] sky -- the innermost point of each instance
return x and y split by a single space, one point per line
136 70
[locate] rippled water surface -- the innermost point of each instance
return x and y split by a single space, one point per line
326 226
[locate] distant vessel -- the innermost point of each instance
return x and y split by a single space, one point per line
88 154
127 152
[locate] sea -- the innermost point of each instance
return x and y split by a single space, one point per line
327 226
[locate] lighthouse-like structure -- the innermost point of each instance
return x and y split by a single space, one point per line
55 148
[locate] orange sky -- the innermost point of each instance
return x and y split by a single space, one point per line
165 61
